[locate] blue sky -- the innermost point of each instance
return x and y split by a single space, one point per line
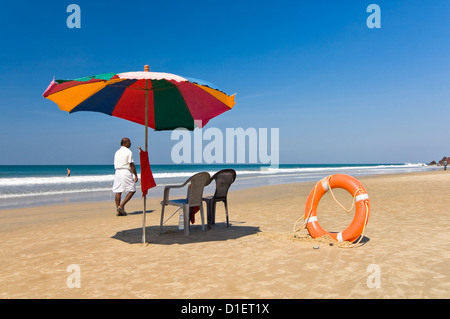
338 91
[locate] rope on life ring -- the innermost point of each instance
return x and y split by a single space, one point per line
355 232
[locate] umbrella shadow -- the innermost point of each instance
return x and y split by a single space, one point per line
171 235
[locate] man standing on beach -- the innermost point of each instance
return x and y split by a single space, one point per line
124 181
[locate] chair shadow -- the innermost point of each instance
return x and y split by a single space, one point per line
171 235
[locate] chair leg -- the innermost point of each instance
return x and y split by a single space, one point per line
208 212
162 219
203 217
226 212
213 212
186 219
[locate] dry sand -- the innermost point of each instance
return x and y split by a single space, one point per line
405 255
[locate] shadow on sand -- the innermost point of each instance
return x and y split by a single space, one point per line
171 235
139 212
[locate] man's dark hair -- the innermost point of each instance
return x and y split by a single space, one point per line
124 141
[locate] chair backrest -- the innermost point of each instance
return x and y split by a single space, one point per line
224 179
197 184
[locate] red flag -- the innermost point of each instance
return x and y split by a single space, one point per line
192 212
147 180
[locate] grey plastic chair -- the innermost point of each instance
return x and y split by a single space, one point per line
224 179
193 198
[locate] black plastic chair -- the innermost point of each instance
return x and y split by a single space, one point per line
224 179
193 199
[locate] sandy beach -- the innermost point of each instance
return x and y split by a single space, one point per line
406 246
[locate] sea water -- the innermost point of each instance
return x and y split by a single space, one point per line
31 185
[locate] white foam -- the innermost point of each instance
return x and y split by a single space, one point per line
30 181
40 186
57 192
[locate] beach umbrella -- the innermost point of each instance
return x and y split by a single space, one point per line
162 101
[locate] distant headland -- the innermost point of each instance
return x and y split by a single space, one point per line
443 162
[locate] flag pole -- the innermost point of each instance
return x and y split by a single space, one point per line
146 69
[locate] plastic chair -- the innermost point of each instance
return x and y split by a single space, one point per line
224 179
193 199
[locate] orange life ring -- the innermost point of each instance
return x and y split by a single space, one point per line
356 189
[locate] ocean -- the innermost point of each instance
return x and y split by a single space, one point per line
35 185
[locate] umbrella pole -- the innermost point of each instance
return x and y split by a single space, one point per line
147 69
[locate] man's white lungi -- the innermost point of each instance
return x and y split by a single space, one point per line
123 181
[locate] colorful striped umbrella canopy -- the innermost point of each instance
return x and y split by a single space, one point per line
162 101
173 101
